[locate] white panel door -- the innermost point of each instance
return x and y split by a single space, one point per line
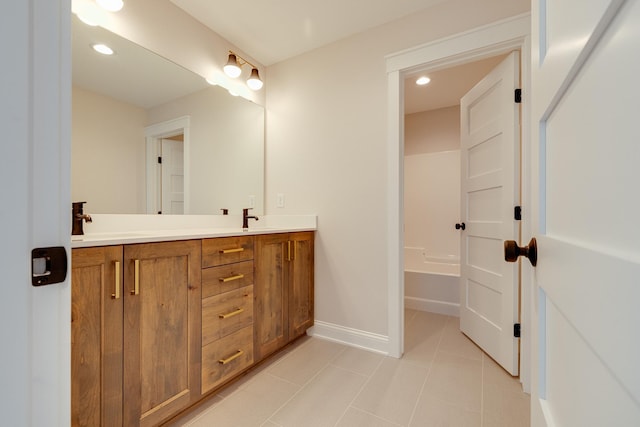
172 177
35 117
586 145
490 182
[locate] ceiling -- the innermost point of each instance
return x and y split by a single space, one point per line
271 31
446 87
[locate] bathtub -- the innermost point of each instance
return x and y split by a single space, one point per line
431 282
416 260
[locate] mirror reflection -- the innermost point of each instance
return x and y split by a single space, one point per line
149 136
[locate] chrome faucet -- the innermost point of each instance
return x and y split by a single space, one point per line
77 218
246 217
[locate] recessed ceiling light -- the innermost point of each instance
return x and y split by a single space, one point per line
103 49
423 80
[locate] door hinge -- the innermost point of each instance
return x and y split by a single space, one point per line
159 160
516 330
518 96
517 213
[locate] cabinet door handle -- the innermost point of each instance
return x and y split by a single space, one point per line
230 251
291 255
231 314
116 295
231 358
231 278
136 277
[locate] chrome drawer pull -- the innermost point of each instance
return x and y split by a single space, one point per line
233 313
231 358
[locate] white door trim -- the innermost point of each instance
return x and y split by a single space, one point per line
479 43
153 135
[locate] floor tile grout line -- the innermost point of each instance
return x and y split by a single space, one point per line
364 384
303 386
426 378
369 413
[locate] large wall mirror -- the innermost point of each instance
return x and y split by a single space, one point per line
133 107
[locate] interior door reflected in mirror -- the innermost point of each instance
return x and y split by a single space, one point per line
125 106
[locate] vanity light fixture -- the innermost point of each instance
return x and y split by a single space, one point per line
233 69
254 81
110 5
424 80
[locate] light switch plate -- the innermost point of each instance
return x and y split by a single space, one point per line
280 200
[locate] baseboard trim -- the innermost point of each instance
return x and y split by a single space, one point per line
352 337
432 306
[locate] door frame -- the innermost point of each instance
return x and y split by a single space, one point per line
153 137
479 43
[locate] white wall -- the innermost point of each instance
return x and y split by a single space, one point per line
432 205
222 127
432 182
326 151
432 131
108 153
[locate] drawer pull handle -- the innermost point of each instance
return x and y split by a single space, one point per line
233 313
230 251
231 358
231 278
136 277
116 295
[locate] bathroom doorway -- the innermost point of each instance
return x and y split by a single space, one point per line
432 184
167 146
171 164
438 199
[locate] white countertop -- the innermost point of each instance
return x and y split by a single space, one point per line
107 230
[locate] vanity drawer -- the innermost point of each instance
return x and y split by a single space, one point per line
226 250
226 357
217 280
226 313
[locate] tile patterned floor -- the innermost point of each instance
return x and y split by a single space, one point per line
442 380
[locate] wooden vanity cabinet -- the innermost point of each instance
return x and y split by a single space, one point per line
96 336
162 315
135 341
227 309
156 326
283 289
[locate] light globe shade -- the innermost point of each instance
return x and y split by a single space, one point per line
88 12
232 69
254 81
111 5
